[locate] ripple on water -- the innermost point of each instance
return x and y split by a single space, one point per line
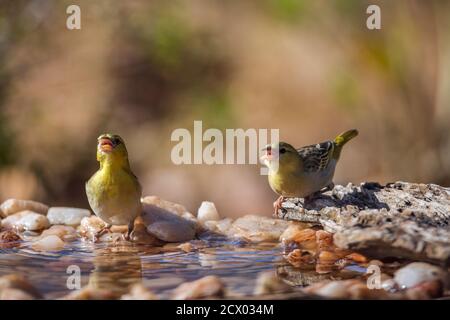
115 267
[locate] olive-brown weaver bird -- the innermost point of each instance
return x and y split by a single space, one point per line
305 171
114 192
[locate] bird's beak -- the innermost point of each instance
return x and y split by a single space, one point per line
268 155
105 145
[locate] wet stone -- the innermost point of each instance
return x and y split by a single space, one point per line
12 206
65 233
257 229
167 225
207 287
416 273
269 283
26 220
139 292
16 287
67 216
48 243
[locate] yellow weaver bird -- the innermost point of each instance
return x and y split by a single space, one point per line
305 171
114 192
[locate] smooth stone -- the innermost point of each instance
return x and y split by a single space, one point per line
26 220
142 236
416 273
48 243
257 229
166 225
139 292
172 207
15 294
221 226
269 283
67 216
207 212
65 233
89 293
171 231
333 289
206 287
12 206
15 286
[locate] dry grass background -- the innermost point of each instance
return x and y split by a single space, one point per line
144 68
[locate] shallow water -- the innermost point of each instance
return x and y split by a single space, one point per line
116 266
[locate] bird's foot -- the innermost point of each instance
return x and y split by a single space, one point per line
129 235
102 231
277 205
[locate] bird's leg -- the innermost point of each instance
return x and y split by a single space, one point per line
127 236
277 205
329 187
102 231
310 197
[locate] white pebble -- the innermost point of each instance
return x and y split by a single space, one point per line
67 216
26 220
207 212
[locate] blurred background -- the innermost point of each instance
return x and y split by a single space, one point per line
144 68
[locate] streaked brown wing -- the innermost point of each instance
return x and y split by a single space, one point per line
316 157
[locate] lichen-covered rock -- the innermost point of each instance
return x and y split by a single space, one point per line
206 287
12 206
16 287
139 292
167 225
257 229
48 243
67 216
26 220
400 219
207 212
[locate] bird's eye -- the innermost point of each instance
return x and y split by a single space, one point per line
282 150
117 142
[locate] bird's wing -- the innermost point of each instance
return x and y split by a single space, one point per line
317 156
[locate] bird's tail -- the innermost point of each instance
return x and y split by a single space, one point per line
342 139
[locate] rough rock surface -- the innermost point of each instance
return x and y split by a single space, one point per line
400 219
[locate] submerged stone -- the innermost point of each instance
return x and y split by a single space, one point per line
49 243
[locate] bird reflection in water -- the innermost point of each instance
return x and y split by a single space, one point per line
116 268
